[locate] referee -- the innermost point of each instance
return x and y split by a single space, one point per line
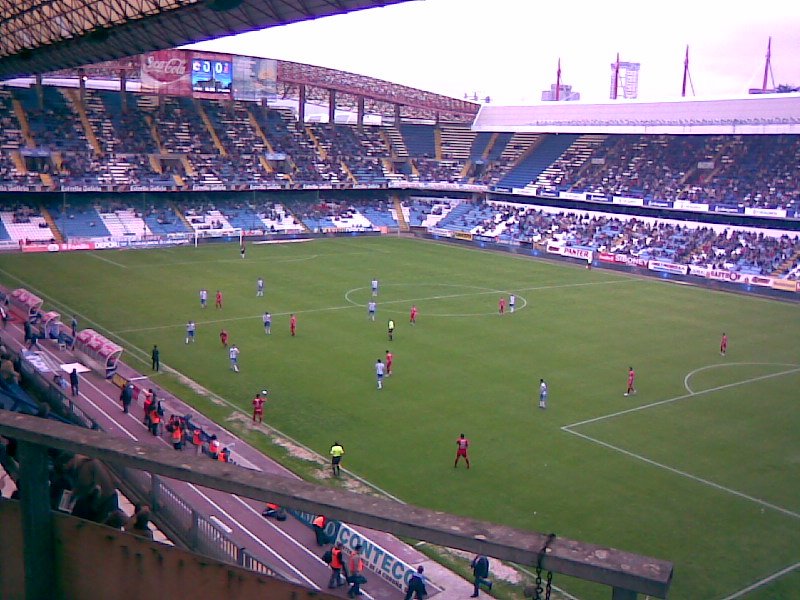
337 450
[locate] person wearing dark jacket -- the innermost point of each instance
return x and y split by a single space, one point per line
126 397
416 585
480 570
74 382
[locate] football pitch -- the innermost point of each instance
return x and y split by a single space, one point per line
701 466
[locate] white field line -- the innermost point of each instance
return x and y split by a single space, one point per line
706 482
388 302
252 536
214 396
762 582
678 398
732 364
209 500
108 260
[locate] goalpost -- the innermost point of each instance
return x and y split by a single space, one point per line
226 235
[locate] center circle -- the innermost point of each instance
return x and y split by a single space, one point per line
408 302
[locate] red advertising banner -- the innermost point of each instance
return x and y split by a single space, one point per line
606 257
167 72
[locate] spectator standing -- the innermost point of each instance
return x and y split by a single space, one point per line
74 382
416 585
480 571
356 571
155 355
337 567
337 451
126 397
149 402
319 529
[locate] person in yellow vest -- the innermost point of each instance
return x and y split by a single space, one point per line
337 451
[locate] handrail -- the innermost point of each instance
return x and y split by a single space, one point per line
627 573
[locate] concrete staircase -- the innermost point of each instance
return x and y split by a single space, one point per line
401 218
210 128
74 97
51 223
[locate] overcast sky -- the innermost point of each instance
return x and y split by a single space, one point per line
509 49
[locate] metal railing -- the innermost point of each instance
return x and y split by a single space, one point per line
194 531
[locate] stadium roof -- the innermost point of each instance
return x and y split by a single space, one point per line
762 114
37 36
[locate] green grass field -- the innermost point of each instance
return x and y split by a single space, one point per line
706 473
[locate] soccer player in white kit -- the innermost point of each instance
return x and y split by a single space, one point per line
380 370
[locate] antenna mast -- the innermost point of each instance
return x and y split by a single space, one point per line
687 77
768 68
558 81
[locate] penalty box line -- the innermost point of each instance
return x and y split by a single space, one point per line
678 398
701 480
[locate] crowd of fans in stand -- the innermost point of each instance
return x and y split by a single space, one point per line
688 243
752 170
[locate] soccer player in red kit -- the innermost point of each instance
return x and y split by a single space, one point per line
293 324
631 380
413 319
223 337
258 408
501 305
723 344
389 359
218 302
462 444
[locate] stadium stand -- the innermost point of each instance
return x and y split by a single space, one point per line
80 221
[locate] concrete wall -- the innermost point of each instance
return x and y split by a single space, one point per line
93 561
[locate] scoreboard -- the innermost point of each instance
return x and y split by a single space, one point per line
212 76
